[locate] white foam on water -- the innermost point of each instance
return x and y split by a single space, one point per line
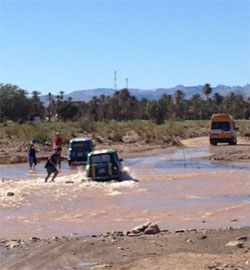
110 188
64 184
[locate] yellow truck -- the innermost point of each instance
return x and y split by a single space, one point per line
222 129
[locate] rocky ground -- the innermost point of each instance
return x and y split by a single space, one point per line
144 247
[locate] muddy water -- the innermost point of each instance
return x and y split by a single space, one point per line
178 189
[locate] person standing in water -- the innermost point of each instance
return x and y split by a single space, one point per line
32 156
57 143
51 165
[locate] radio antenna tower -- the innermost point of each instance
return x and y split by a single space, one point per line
127 83
115 86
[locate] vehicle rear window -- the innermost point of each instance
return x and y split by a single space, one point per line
100 158
86 145
221 125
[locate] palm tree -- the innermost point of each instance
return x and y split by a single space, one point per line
61 95
36 102
93 107
178 99
50 104
195 106
218 98
207 90
58 98
179 96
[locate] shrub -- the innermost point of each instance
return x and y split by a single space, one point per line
129 131
244 128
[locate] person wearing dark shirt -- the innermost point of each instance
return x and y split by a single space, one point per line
51 165
57 143
32 156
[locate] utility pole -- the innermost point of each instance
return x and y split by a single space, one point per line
115 86
127 83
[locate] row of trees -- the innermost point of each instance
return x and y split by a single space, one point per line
16 105
123 106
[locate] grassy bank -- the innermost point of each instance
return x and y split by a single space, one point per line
128 132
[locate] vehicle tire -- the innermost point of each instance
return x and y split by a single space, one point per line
233 142
213 143
120 178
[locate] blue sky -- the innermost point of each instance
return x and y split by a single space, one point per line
67 45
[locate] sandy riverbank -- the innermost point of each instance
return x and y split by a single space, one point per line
14 153
208 249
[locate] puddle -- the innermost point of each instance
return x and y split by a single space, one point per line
196 164
186 158
21 171
179 154
1 255
83 265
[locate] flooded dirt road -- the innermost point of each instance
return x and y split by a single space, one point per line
178 189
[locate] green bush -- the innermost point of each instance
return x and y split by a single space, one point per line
87 126
244 128
131 131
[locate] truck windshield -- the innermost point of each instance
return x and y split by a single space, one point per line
221 125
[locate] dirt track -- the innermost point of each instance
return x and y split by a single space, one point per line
223 152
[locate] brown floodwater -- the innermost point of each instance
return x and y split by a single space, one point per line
178 190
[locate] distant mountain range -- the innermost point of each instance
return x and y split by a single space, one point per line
86 95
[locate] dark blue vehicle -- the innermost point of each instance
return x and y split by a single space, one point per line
79 149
